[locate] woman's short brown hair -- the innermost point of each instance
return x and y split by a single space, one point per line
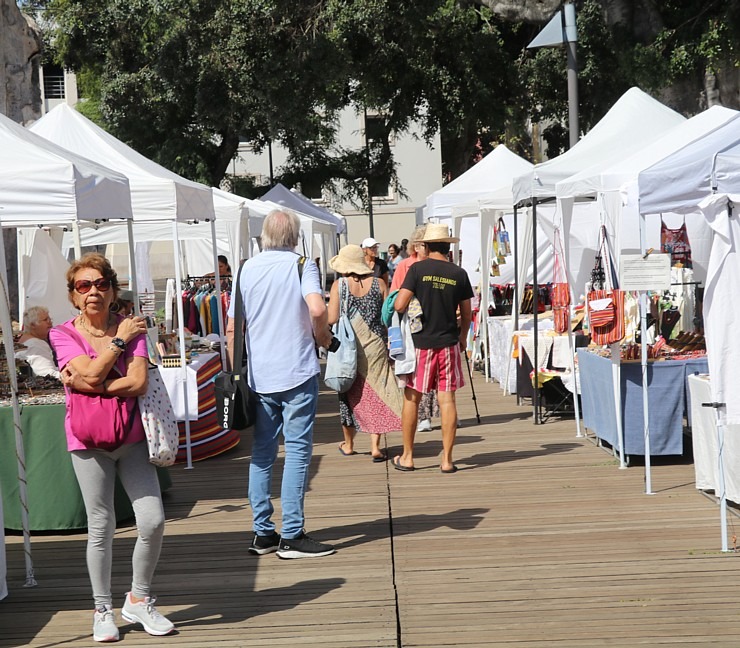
98 262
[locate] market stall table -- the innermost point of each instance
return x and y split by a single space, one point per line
704 442
54 498
667 401
207 437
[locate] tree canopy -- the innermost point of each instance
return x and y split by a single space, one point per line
183 82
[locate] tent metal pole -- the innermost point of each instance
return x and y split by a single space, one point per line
515 306
181 337
132 265
485 290
644 367
576 377
721 478
535 329
7 329
219 310
516 300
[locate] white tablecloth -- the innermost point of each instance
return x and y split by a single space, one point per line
173 379
704 441
500 330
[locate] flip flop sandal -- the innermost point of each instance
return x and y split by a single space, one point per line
346 454
399 466
382 458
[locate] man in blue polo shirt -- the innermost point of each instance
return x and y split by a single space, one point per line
285 316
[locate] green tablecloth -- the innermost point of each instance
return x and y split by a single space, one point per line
54 498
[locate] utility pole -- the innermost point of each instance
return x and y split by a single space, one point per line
369 193
561 30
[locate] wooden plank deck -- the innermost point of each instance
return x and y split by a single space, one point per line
538 540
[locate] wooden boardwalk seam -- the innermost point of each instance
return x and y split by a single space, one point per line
539 540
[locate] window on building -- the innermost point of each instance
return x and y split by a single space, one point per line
53 82
313 190
381 188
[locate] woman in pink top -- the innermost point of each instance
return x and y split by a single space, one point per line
103 357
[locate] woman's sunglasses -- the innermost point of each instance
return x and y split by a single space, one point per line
83 286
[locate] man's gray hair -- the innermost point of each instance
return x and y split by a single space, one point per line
33 316
280 230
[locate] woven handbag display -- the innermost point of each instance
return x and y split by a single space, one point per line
605 302
560 297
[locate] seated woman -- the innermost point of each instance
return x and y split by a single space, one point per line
35 337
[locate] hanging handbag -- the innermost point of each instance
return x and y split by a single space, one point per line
236 404
560 298
504 246
341 365
160 425
606 304
98 421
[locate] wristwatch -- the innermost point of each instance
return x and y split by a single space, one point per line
118 342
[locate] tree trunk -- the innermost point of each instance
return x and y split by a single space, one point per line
458 149
226 153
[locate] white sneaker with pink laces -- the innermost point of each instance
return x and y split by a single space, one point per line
146 614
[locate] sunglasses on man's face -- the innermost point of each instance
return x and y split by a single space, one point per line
83 286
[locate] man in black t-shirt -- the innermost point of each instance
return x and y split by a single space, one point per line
441 288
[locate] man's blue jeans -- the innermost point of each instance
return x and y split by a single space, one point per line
291 413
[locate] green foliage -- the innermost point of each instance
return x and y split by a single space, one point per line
183 81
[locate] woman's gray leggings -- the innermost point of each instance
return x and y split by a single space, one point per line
96 474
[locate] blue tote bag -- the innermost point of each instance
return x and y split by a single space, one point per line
341 365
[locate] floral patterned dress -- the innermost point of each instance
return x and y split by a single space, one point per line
373 403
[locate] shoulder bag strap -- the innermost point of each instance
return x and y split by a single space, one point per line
238 322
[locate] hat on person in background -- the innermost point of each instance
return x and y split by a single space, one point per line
438 233
126 295
350 260
369 242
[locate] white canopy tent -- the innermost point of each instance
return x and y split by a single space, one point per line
635 120
489 183
473 203
157 195
615 188
40 184
704 181
293 199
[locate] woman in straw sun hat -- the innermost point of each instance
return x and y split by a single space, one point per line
373 403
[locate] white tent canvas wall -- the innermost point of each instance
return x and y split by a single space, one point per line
156 193
621 214
635 120
704 182
292 199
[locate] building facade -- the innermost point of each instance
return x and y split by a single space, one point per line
394 216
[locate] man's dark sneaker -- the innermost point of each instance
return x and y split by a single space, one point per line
264 544
303 547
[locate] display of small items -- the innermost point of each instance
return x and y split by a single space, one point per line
29 384
168 348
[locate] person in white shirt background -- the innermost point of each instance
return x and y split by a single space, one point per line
35 338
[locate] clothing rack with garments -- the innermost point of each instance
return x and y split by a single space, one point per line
201 300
